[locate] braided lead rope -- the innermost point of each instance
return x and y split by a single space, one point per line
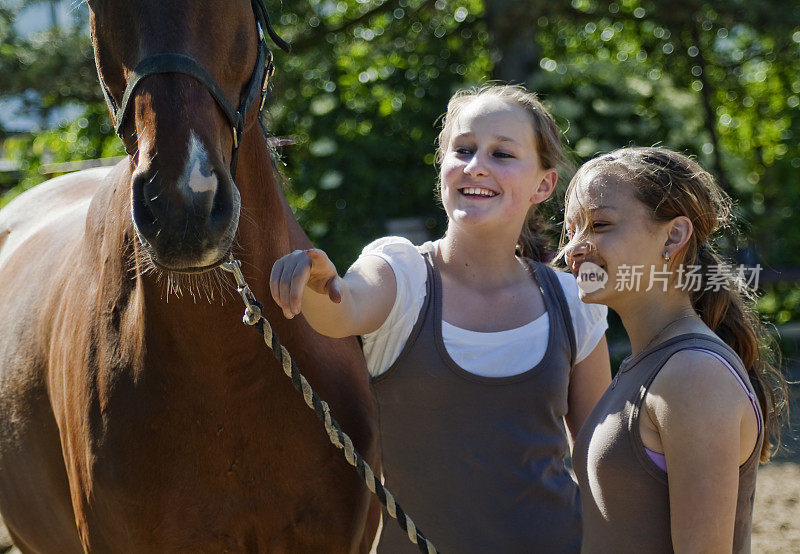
253 317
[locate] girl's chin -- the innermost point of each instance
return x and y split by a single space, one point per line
469 216
594 297
480 215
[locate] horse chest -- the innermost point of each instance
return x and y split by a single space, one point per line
213 476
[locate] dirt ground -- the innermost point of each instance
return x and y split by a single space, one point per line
776 516
776 519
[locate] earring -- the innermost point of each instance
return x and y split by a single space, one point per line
666 255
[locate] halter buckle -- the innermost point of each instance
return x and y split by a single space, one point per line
268 72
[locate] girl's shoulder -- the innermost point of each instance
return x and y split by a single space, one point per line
568 283
699 384
695 366
407 263
383 346
589 321
398 251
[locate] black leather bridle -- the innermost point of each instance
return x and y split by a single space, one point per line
172 62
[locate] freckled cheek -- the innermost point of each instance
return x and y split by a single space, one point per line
621 250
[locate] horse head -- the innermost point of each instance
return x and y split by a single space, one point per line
181 101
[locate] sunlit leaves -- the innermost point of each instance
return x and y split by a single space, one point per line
361 100
368 78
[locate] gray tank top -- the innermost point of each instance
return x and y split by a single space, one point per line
478 462
624 493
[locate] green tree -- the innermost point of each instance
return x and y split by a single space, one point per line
47 72
716 79
360 94
367 79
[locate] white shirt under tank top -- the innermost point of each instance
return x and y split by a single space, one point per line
498 354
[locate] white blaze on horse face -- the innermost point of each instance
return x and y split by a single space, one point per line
198 158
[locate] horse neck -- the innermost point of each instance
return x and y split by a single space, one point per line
267 228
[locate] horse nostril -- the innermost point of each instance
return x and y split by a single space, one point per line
144 192
188 220
218 208
224 205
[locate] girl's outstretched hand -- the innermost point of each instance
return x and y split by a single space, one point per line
292 273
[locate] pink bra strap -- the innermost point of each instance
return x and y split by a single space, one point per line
659 459
750 395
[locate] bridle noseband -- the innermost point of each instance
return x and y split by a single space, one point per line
171 62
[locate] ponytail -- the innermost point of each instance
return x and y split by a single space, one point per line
729 312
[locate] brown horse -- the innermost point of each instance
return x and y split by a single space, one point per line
137 419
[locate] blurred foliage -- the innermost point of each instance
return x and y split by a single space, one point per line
367 80
45 73
49 69
89 137
782 301
361 101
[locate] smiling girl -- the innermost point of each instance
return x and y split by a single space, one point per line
478 351
667 460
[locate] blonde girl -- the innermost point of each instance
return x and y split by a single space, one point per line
479 352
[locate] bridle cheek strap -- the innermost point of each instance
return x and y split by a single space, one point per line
171 62
180 63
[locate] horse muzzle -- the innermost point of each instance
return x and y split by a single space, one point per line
186 224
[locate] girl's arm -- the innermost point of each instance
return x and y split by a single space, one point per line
307 281
701 414
589 380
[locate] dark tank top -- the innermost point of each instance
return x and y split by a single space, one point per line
625 496
478 462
